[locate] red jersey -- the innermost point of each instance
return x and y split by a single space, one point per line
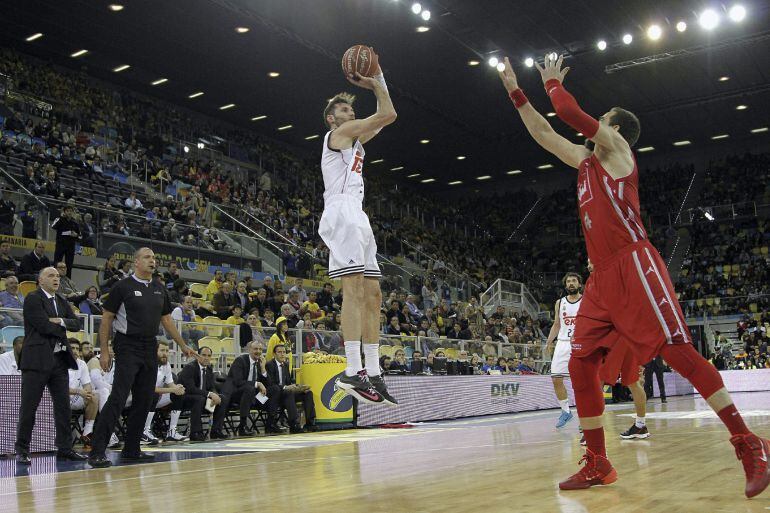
609 210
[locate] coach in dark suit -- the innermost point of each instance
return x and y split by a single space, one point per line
45 360
279 375
198 380
246 376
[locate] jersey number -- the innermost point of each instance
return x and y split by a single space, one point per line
358 164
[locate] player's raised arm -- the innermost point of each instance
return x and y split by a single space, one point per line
537 126
568 110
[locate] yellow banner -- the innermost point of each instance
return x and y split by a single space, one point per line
50 246
331 405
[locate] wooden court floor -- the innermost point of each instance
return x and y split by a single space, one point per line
507 464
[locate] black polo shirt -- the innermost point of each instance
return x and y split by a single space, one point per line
138 306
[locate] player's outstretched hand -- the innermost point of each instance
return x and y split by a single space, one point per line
551 68
508 77
361 81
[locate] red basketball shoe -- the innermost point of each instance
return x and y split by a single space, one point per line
598 471
753 453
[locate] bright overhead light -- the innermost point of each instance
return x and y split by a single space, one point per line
529 62
553 56
242 30
456 182
708 215
79 53
708 19
654 32
284 127
412 176
257 118
484 177
741 107
416 8
159 81
186 149
377 161
397 168
681 26
724 78
200 146
195 95
273 74
545 166
627 39
461 157
428 180
601 45
501 66
551 114
737 13
514 172
115 7
759 130
473 63
579 134
124 67
421 29
682 143
424 141
228 106
720 136
493 61
311 137
34 36
425 15
645 149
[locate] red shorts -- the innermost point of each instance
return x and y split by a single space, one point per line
620 361
630 295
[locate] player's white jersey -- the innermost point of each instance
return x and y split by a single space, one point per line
343 170
567 316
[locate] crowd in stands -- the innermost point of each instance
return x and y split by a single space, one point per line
752 346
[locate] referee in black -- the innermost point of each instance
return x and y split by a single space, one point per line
135 307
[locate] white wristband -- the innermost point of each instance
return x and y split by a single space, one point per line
380 78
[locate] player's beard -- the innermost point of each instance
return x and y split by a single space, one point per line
589 144
572 290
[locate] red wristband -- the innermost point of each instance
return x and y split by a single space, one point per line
518 98
550 84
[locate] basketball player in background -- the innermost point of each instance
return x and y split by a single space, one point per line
629 294
345 229
565 313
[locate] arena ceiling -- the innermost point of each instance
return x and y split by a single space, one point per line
460 109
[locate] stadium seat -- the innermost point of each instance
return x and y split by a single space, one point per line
228 345
26 287
386 351
212 331
215 343
11 332
80 335
198 288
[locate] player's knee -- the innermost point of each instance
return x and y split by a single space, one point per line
584 372
682 357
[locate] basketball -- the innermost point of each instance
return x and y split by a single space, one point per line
361 59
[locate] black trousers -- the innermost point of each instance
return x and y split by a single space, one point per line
65 252
288 400
136 374
649 369
244 395
194 403
32 385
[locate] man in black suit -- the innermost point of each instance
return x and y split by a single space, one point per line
67 236
33 262
655 366
246 376
45 361
198 379
224 301
279 374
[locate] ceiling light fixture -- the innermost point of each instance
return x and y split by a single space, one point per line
124 67
708 19
284 127
681 26
645 149
228 106
412 176
724 78
514 172
553 56
34 36
601 45
473 63
720 136
545 166
579 134
682 143
425 15
654 32
737 13
461 157
273 74
398 168
424 141
551 114
242 30
378 161
195 95
257 118
416 8
428 180
159 81
79 53
529 62
421 29
501 66
627 39
484 177
759 130
493 62
311 137
741 107
115 7
456 182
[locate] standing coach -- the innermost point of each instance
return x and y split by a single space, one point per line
136 306
45 360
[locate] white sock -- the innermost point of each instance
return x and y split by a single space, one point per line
88 428
564 405
640 423
148 423
372 359
353 355
174 420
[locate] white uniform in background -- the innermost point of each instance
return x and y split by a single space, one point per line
561 354
79 379
164 379
344 225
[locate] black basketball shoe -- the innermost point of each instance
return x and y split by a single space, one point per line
359 387
635 432
379 385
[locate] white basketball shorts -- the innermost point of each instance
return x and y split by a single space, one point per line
560 360
346 231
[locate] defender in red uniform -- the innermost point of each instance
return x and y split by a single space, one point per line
630 294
